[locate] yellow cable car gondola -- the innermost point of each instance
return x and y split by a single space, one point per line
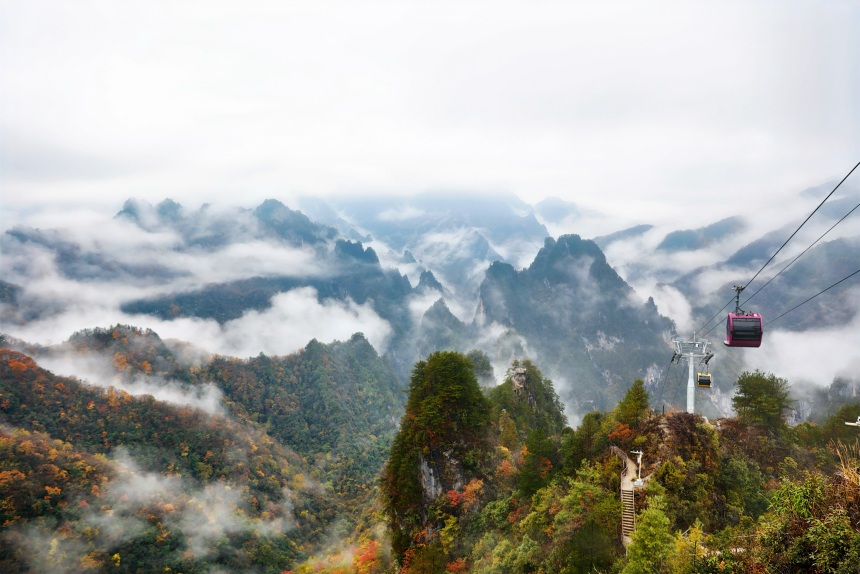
704 380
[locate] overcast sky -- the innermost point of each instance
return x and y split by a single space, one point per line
652 109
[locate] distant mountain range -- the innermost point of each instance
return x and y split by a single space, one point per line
443 272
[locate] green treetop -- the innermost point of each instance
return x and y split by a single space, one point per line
634 407
442 438
762 399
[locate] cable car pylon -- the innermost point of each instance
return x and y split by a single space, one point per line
693 350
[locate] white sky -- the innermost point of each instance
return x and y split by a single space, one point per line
643 109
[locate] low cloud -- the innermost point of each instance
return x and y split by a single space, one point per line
159 261
44 551
391 259
203 516
97 370
518 252
816 356
248 259
294 318
639 261
574 413
217 510
115 261
672 303
419 304
400 214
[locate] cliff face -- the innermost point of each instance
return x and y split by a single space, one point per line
439 474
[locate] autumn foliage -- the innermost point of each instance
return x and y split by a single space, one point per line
475 481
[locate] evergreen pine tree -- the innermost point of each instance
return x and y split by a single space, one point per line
652 541
762 399
634 406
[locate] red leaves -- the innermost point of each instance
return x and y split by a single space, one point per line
367 560
506 469
621 434
455 497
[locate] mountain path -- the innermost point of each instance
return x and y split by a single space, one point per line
628 510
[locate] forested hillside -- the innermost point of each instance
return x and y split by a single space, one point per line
520 492
337 405
181 489
95 478
317 462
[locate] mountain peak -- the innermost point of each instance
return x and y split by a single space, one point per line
273 210
691 239
294 226
355 250
551 261
428 281
147 216
575 311
139 211
169 209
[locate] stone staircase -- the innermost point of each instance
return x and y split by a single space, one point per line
628 513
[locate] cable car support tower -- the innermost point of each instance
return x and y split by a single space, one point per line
693 350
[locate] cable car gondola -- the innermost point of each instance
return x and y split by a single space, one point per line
703 380
742 329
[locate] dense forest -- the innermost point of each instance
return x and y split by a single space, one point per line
94 477
322 461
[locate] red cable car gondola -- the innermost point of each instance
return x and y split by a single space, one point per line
743 329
